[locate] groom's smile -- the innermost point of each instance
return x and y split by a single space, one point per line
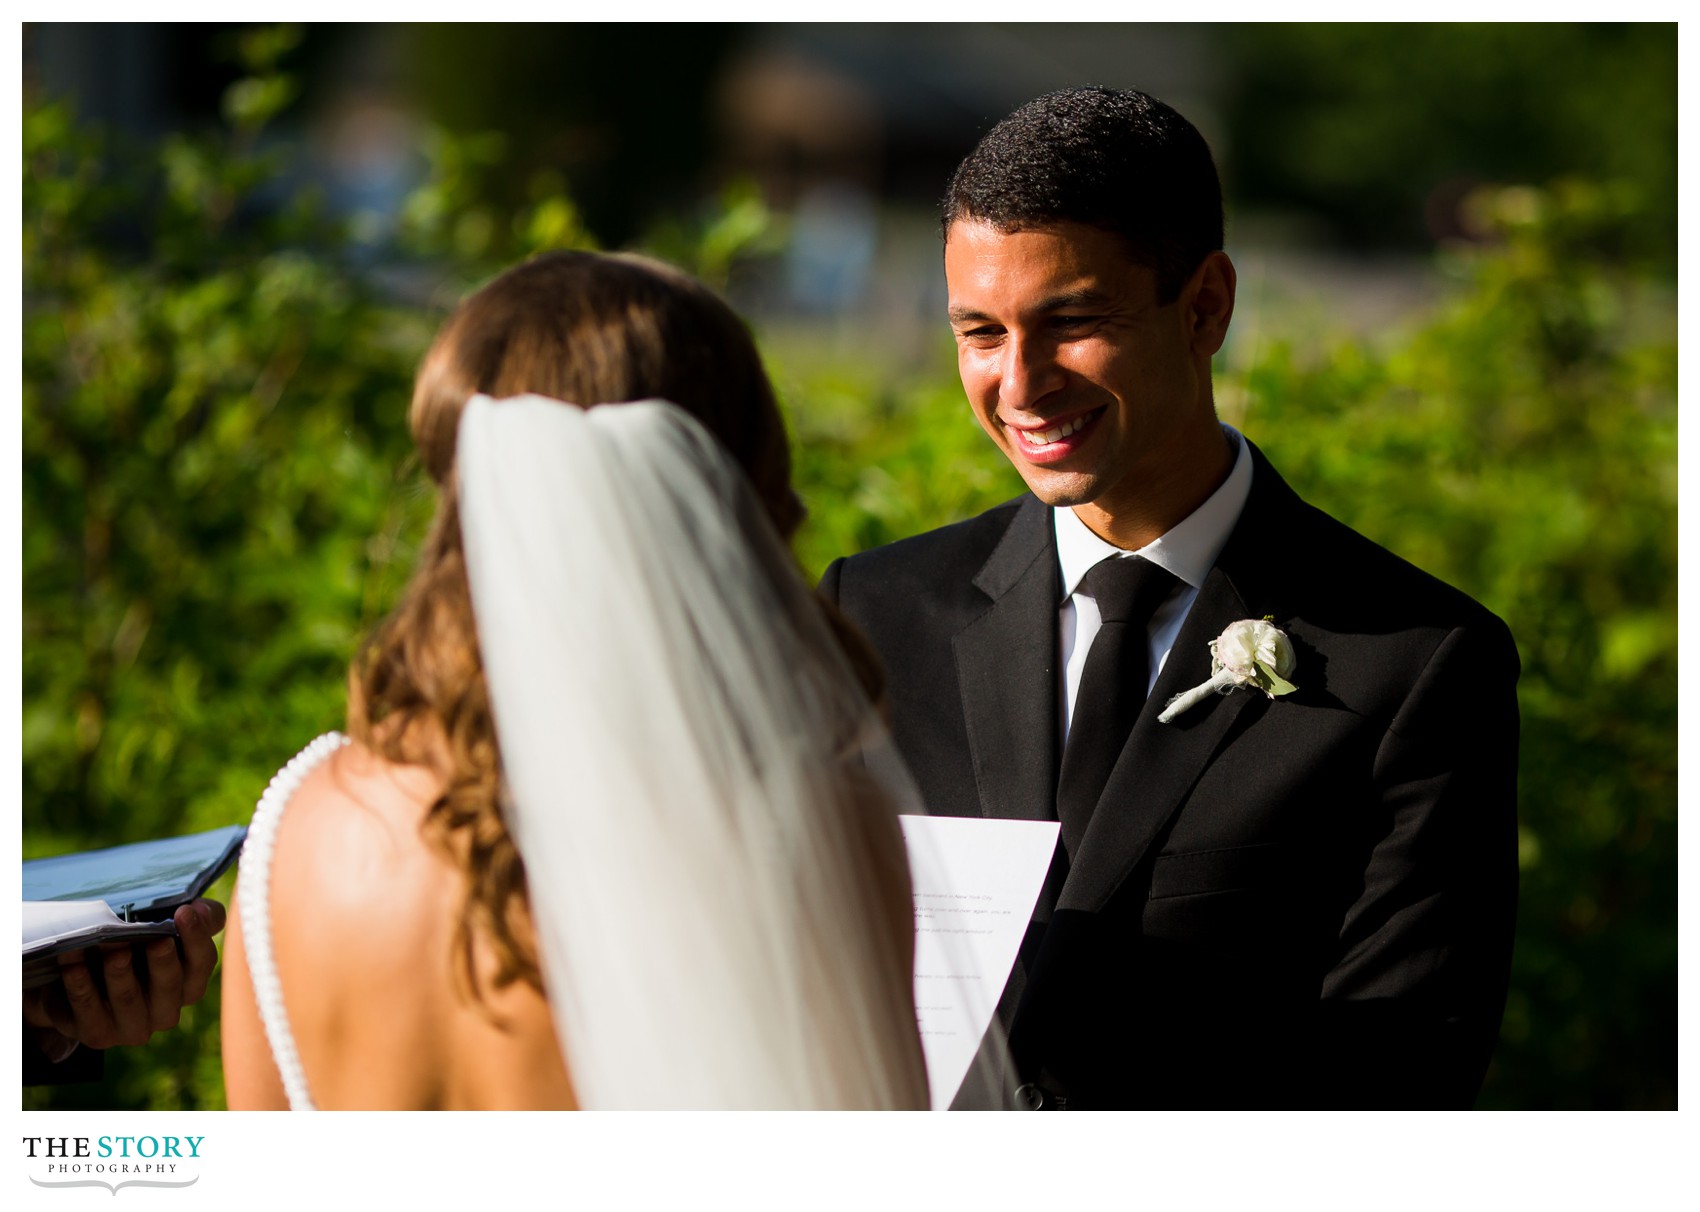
1051 441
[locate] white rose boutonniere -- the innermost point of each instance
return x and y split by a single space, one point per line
1251 652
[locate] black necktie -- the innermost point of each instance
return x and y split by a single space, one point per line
1112 690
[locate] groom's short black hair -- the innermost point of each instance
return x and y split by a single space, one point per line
1115 159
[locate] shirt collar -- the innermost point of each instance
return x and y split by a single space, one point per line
1188 549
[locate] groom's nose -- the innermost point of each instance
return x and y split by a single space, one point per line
1028 371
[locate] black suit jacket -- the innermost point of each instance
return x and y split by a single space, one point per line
1304 901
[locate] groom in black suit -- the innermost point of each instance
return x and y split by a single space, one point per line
1293 901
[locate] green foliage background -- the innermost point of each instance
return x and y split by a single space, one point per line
1368 125
219 499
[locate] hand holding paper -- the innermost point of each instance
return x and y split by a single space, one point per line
116 942
125 1002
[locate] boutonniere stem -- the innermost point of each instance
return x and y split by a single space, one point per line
1250 652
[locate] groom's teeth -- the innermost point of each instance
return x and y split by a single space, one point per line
1044 437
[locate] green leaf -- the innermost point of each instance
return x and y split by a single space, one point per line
252 102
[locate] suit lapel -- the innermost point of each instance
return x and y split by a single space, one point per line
1161 762
1007 668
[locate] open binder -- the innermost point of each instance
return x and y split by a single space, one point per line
120 894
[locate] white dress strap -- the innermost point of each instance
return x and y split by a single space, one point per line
254 901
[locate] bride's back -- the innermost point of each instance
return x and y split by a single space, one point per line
393 895
364 933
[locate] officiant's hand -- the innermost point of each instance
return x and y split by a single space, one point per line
125 1002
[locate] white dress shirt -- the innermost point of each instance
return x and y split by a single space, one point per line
1188 550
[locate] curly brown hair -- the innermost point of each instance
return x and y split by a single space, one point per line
581 327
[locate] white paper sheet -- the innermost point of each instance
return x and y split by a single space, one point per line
976 881
46 921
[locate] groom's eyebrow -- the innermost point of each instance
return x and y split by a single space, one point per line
1061 301
1083 296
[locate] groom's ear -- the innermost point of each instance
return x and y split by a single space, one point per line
1207 303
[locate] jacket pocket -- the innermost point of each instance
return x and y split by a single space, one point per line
1226 869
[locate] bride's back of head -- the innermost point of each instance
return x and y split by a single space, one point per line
588 328
594 328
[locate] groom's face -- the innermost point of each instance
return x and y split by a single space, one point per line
1088 384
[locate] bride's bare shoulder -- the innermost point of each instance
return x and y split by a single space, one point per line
352 837
363 913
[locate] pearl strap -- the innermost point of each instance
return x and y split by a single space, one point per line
254 902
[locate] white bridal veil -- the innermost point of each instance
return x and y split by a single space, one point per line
717 879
